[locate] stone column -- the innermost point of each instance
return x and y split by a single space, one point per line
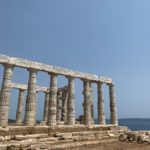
92 103
70 103
101 113
19 112
64 105
83 106
46 107
87 103
5 95
52 101
113 108
59 106
30 111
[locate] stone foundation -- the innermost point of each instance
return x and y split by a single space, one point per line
48 138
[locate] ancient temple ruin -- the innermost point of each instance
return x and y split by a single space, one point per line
59 101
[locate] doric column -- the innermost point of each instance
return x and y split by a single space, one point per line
59 106
101 113
92 103
30 111
46 107
70 103
87 103
113 108
64 105
52 101
19 112
5 95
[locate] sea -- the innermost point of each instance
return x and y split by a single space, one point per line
135 124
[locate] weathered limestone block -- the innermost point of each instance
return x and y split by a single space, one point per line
64 136
3 147
2 138
8 138
30 111
13 147
100 104
52 101
19 112
5 95
49 139
113 107
70 102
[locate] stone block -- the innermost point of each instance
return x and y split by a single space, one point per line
3 147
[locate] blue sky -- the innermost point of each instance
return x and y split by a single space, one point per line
102 37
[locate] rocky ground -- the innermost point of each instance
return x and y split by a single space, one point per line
114 146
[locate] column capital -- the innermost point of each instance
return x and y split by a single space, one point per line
52 74
86 80
8 65
32 70
70 77
100 83
111 84
22 90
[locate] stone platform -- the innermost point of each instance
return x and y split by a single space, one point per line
62 137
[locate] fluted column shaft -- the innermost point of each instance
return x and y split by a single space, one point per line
52 101
19 112
5 95
87 103
46 107
101 113
113 107
71 103
30 111
64 105
92 103
59 106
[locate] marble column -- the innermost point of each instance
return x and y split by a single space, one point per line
87 103
64 105
31 101
19 113
113 107
46 107
71 103
52 101
59 106
92 103
5 94
101 113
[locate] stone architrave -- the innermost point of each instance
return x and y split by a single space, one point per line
100 104
87 103
113 107
30 110
46 107
5 95
70 102
19 113
53 101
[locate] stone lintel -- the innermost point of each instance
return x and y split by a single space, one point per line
51 69
39 88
